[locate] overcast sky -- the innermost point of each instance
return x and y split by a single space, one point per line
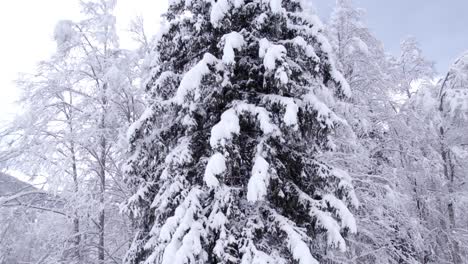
441 27
26 28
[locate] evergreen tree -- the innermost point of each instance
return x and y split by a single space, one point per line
226 163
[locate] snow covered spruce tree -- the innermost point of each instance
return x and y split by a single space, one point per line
226 162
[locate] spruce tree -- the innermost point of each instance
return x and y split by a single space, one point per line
226 161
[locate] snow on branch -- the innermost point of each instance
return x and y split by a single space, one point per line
137 125
346 217
336 75
169 190
232 41
275 6
272 53
223 131
298 248
192 79
346 183
219 10
216 166
260 178
217 221
229 123
65 35
181 154
340 79
291 108
182 232
253 255
361 45
332 228
309 49
191 246
457 101
324 114
217 218
262 115
11 198
132 204
325 219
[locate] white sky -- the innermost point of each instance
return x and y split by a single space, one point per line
439 26
26 30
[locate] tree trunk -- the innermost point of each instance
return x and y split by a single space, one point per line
76 217
102 219
102 175
449 173
102 189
